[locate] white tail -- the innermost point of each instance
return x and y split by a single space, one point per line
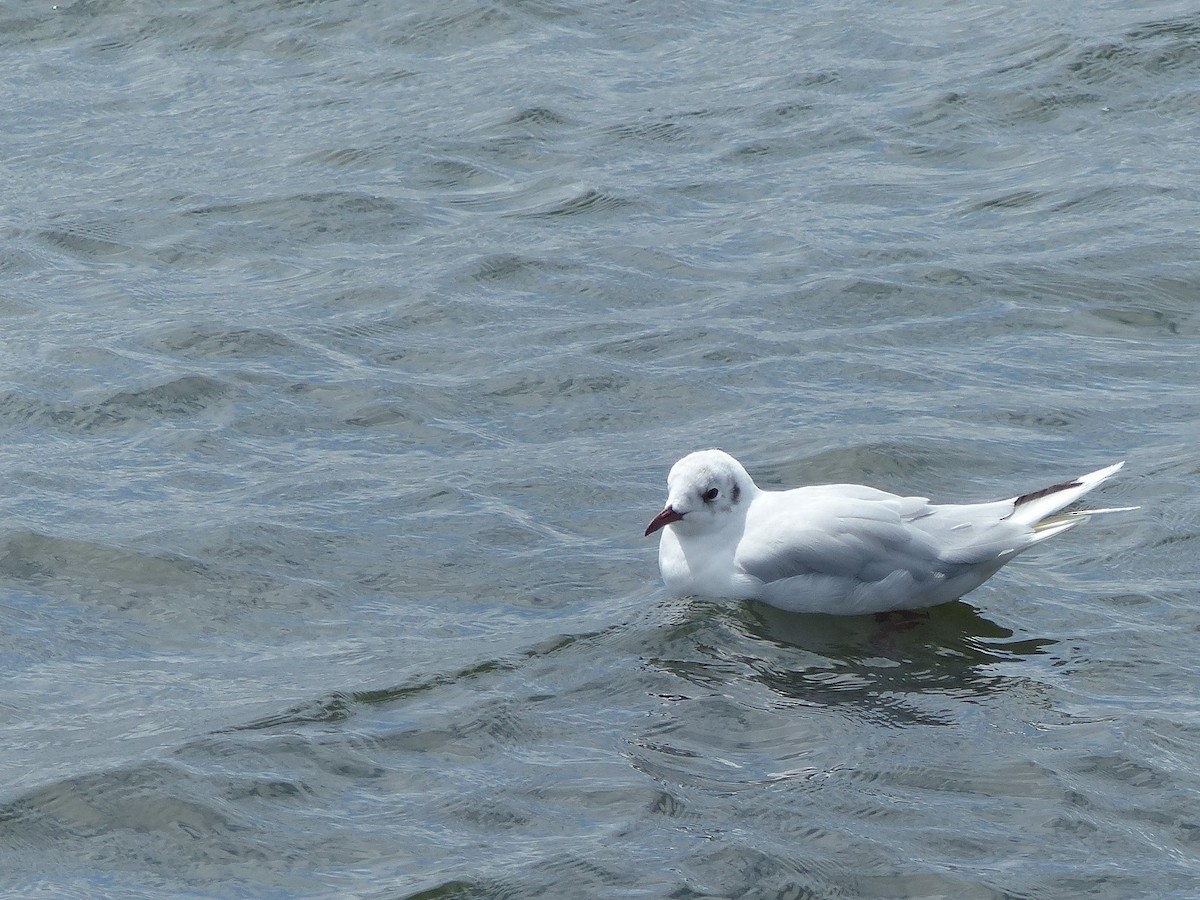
1037 509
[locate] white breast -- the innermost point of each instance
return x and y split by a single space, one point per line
702 565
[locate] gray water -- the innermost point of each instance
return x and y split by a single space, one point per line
346 346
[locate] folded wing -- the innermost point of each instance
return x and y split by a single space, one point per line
851 549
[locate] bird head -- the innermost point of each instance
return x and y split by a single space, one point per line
705 491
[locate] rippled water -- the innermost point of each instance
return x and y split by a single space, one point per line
346 347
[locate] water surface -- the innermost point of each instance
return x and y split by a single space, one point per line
346 347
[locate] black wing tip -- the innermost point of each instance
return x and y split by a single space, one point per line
1046 492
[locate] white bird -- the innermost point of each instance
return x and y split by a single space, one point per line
842 548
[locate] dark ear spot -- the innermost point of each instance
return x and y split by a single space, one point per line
735 493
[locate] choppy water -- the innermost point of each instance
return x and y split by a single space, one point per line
345 349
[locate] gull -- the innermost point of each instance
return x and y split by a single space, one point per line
846 549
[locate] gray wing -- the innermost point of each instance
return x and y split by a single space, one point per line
857 538
848 549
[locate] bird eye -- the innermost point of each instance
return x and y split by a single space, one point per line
710 495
